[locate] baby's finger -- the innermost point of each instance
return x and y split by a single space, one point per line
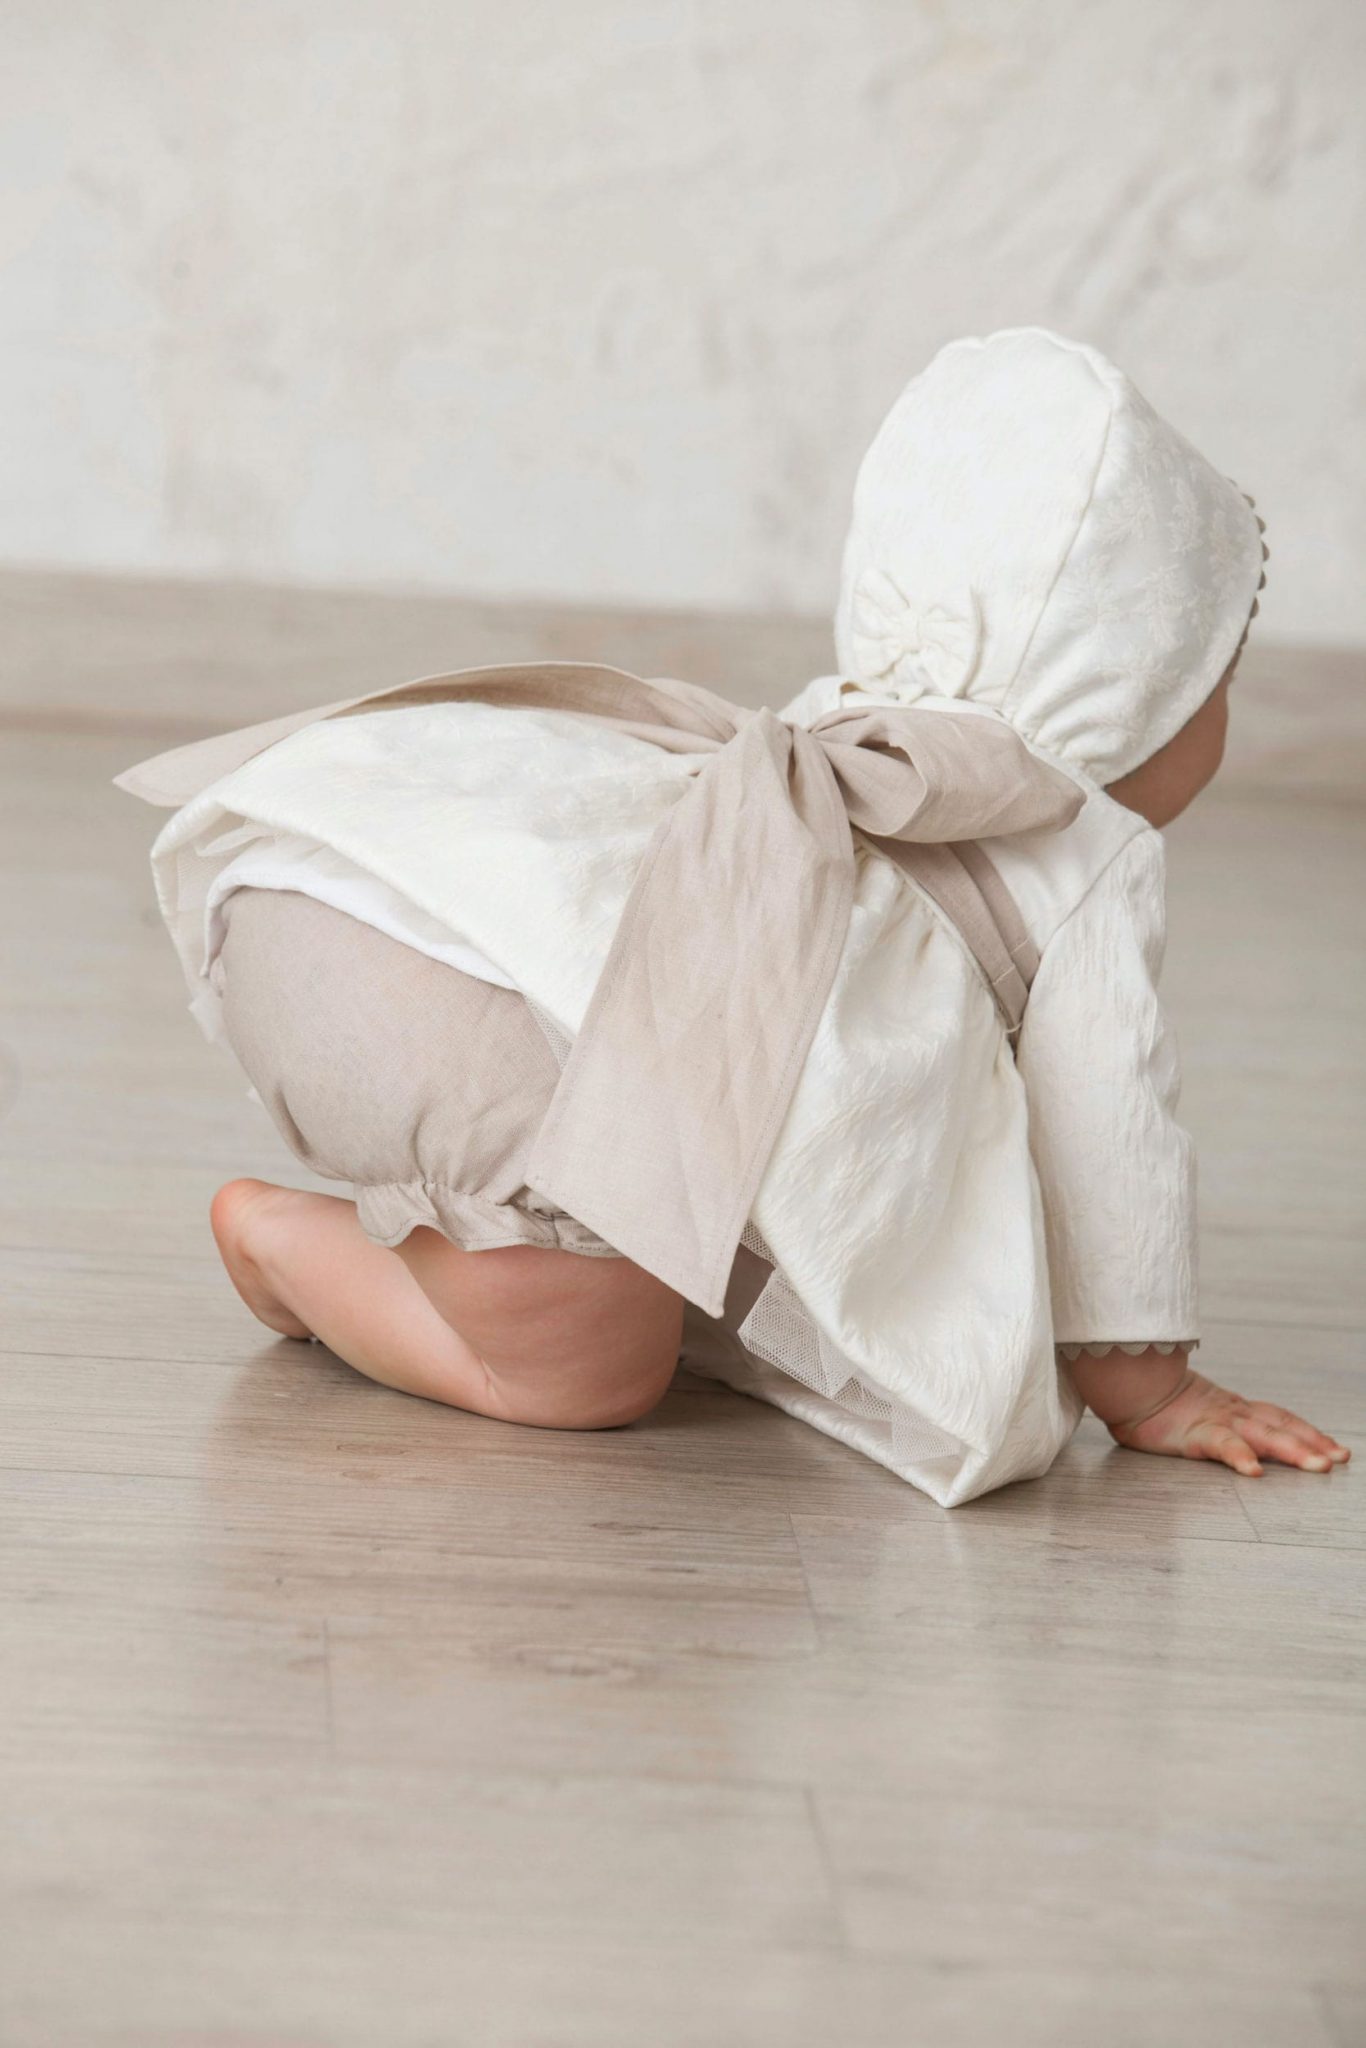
1287 1444
1286 1418
1225 1446
1319 1439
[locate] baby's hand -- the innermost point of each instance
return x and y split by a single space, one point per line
1200 1420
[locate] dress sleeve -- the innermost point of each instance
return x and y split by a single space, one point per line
1116 1171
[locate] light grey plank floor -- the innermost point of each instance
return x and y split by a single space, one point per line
332 1719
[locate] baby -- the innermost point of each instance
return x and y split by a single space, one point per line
977 1160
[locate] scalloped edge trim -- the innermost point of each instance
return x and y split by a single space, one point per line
1132 1348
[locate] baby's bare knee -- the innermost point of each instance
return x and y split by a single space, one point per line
593 1345
569 1342
591 1403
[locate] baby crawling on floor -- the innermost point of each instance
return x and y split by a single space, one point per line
542 1336
876 978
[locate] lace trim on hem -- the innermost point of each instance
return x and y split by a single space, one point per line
1108 1348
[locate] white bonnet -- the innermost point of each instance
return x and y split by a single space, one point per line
1029 536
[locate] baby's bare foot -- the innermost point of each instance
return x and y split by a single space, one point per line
240 1213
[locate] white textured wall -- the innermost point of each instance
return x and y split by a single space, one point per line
601 299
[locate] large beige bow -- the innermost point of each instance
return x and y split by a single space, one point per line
673 1096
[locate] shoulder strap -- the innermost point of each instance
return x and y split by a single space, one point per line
961 879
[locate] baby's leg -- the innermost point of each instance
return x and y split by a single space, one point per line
522 1333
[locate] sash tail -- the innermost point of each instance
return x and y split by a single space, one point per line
671 1101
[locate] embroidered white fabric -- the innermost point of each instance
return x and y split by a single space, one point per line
779 1331
1030 535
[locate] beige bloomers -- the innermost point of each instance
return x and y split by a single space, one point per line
421 1085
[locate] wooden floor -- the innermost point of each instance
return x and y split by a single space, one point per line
335 1720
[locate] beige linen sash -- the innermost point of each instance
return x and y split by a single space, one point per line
671 1101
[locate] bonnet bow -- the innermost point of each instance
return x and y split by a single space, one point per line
669 1105
929 649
